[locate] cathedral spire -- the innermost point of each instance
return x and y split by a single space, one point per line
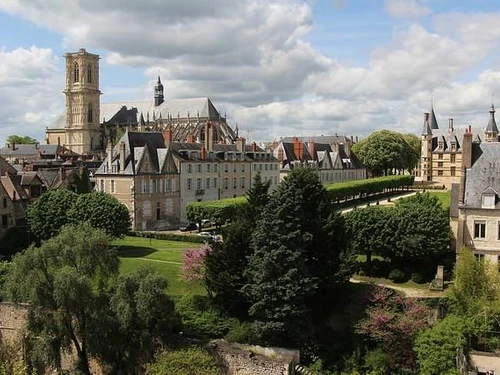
159 98
491 131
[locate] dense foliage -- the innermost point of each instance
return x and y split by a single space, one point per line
298 258
18 139
386 151
188 361
76 301
218 211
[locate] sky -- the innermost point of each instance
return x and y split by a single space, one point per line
275 68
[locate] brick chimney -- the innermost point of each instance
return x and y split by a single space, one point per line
467 148
190 138
167 137
122 156
110 155
298 149
203 153
450 125
254 146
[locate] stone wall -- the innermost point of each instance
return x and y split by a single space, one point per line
237 359
12 321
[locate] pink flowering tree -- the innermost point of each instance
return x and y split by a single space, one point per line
193 268
394 321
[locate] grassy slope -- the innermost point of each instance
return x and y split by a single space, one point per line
164 256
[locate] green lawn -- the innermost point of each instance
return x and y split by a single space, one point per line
444 197
162 255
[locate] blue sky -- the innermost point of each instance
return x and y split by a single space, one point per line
280 68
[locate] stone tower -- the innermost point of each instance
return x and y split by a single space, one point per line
491 131
82 102
426 154
159 98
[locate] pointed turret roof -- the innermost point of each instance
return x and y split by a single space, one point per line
432 120
427 129
492 124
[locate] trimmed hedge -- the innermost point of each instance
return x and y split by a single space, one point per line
344 190
219 211
169 236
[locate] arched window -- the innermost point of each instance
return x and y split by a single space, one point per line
89 73
77 72
89 113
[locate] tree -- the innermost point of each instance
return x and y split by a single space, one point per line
193 268
437 347
394 322
187 361
18 140
77 301
257 197
368 230
413 152
49 213
383 151
420 230
59 280
102 211
297 258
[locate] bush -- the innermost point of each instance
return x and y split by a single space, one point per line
242 332
169 236
200 319
417 278
193 360
397 275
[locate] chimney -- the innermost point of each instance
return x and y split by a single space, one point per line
298 149
467 149
13 146
450 125
312 150
110 155
122 156
426 117
463 179
167 137
203 153
240 144
254 146
190 138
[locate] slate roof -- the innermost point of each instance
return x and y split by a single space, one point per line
457 135
432 120
26 150
484 173
492 124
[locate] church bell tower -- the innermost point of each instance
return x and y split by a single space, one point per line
83 135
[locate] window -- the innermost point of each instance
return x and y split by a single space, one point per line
215 168
102 185
76 73
255 167
226 183
479 229
488 201
189 183
235 183
215 183
226 167
198 168
453 146
158 211
113 186
234 168
243 168
265 167
453 171
243 182
198 184
155 186
166 185
145 186
190 168
207 183
89 73
208 168
440 164
260 167
4 203
452 158
479 257
440 156
89 113
440 173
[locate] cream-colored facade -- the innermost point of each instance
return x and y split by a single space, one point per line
156 178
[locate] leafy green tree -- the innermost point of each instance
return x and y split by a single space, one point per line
138 316
49 213
18 140
60 281
187 361
102 211
437 347
413 152
383 151
77 301
420 230
297 258
257 197
368 230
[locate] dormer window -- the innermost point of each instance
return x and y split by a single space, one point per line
488 201
453 146
441 145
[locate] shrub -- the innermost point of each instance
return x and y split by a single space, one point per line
169 236
417 278
397 275
200 319
242 332
188 361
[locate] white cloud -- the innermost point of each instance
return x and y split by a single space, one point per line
408 9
